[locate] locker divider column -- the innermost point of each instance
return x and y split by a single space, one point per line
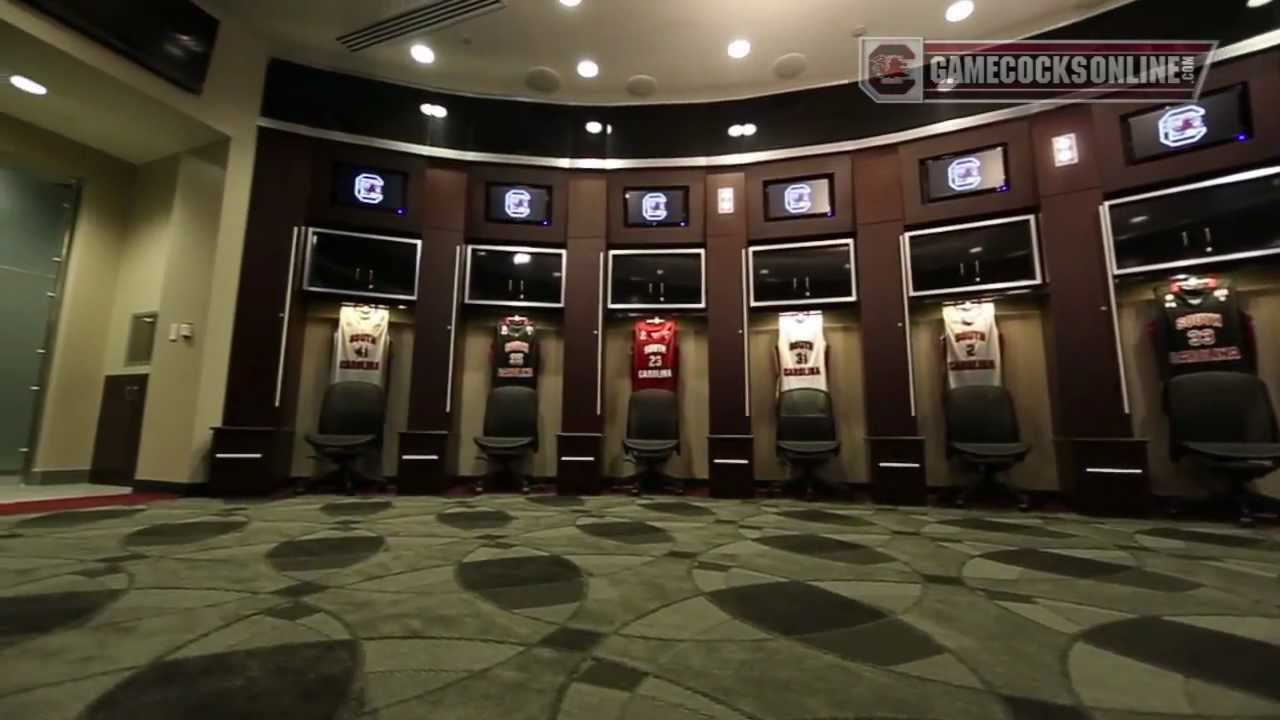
895 450
424 446
579 442
1100 463
730 440
250 451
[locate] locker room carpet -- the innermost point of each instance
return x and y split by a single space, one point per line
591 609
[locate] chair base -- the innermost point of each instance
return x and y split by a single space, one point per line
806 487
347 478
649 478
504 478
987 481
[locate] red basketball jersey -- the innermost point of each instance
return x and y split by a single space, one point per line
655 355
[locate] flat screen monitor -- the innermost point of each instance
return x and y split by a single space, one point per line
798 198
656 207
806 273
640 279
1221 116
356 264
370 188
963 174
518 204
515 276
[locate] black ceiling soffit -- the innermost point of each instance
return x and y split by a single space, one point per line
172 38
360 106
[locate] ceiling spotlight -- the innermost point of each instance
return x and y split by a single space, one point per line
571 3
435 111
959 10
608 129
422 54
748 129
27 85
735 131
1257 3
594 127
588 68
739 49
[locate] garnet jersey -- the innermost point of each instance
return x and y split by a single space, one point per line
802 352
1203 330
973 344
655 355
361 345
515 353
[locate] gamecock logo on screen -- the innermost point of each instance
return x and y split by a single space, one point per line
1183 126
654 207
516 203
368 188
964 174
798 199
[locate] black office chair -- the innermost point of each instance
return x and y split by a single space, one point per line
1224 422
806 434
653 435
982 431
351 420
510 431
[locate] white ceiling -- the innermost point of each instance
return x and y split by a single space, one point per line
90 106
680 43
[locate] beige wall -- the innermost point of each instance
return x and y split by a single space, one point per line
1259 293
692 461
316 376
229 104
1026 376
142 256
471 375
70 411
843 331
183 294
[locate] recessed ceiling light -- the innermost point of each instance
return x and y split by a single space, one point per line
435 111
608 129
571 3
735 131
594 127
422 54
739 49
588 68
959 10
27 85
1257 3
749 129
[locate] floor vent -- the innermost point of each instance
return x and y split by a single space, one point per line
429 17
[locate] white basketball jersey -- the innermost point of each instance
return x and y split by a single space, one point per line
361 345
973 344
802 352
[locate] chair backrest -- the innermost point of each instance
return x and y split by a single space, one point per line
980 414
804 415
653 414
511 411
352 408
1224 407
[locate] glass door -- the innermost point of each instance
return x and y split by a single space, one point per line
35 217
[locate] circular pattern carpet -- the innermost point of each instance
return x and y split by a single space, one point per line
630 608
